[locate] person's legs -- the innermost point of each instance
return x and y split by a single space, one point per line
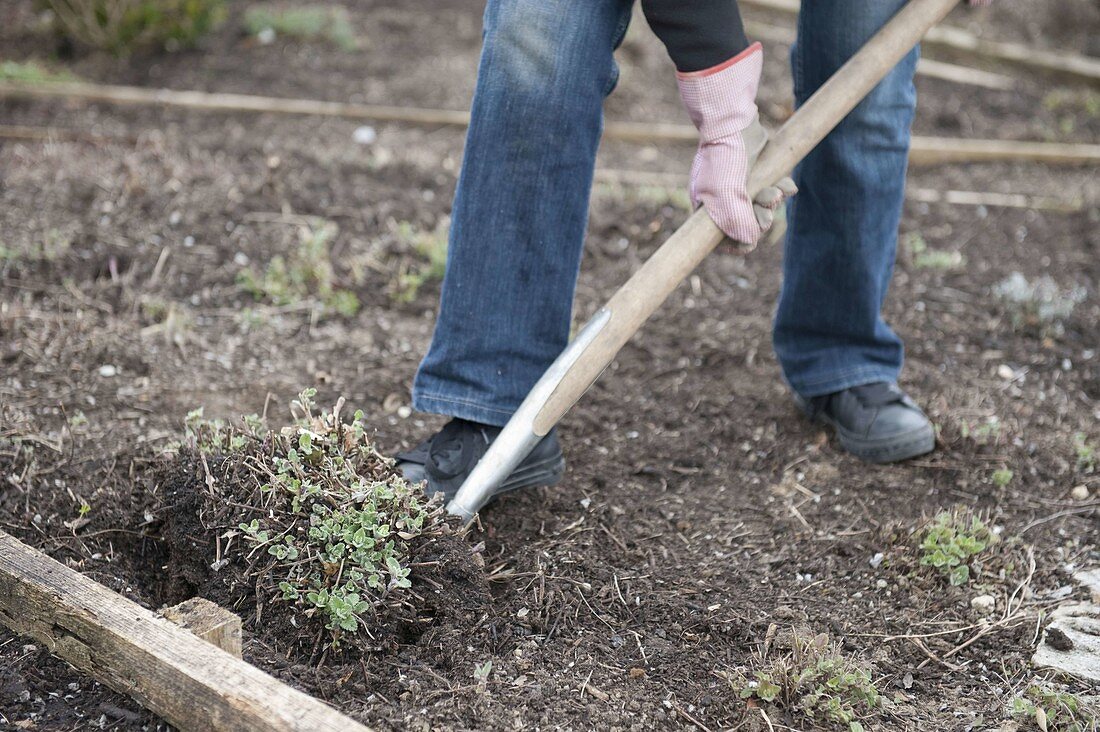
521 208
842 226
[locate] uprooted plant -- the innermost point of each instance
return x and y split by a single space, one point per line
318 519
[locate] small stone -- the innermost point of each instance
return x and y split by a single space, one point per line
404 411
266 36
881 584
522 612
189 241
1080 493
365 135
1006 372
240 259
174 218
108 371
876 560
1058 640
984 604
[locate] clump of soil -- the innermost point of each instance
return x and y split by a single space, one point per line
310 535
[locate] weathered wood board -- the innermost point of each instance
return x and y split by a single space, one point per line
191 683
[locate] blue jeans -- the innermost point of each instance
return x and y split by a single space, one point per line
520 211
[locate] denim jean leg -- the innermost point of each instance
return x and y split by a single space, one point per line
521 207
829 333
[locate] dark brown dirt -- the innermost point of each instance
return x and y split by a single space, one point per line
700 508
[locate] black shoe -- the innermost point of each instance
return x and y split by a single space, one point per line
447 458
878 423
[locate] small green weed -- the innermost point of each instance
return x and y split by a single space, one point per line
31 72
1002 477
813 679
952 542
923 257
1086 453
1054 711
334 521
50 248
308 22
122 26
982 433
307 274
431 246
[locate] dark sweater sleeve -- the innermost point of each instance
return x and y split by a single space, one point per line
698 34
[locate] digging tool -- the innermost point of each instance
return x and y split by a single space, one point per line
594 347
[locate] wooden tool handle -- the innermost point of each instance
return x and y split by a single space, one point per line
644 292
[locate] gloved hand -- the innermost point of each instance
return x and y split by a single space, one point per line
721 101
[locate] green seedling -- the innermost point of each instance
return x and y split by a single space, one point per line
1002 477
335 523
31 72
482 671
307 275
814 680
308 23
983 433
1086 453
1052 710
924 257
952 543
431 249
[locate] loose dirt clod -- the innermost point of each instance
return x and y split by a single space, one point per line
309 525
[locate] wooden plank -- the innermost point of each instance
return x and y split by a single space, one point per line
209 621
955 39
937 150
923 151
185 680
925 66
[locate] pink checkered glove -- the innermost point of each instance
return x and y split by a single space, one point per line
721 101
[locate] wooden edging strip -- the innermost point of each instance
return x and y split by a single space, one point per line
925 66
923 150
954 39
186 680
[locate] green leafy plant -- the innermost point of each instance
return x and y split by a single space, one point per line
307 22
431 248
814 679
1086 453
1052 710
1002 477
306 275
924 257
982 433
122 26
335 522
31 72
952 542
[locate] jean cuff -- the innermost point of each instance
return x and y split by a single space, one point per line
461 408
842 380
